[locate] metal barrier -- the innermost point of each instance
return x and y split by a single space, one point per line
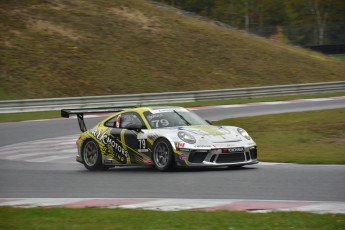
47 104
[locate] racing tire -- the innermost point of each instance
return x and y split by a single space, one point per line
163 155
92 157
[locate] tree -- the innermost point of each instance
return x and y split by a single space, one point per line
306 22
319 13
321 10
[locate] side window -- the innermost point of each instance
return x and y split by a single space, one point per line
111 122
130 120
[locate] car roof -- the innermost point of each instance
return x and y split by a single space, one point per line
151 108
163 107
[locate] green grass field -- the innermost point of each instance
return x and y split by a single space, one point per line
315 137
98 218
85 48
340 56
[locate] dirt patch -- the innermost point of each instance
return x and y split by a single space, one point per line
137 17
335 140
50 28
7 41
8 44
16 32
58 7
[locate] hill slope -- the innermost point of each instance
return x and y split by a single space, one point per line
57 48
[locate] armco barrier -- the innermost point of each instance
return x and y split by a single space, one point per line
46 104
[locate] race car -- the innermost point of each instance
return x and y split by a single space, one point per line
163 137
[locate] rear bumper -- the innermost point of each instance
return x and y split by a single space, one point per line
78 157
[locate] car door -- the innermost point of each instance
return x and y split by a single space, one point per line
129 148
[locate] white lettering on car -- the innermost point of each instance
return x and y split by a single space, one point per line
105 139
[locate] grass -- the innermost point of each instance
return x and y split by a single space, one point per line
316 137
84 48
339 56
254 100
61 218
13 117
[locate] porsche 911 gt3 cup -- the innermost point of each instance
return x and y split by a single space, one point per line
163 137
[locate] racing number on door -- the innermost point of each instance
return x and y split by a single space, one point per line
142 143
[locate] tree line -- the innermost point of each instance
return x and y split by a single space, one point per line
307 22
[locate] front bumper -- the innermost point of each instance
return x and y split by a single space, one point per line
215 157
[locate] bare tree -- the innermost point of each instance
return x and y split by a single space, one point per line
321 10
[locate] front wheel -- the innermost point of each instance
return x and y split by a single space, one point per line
92 157
162 155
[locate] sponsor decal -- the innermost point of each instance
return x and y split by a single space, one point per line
108 161
156 111
180 145
143 150
120 153
203 146
208 130
236 150
148 162
183 157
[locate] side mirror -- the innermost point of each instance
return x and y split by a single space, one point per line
135 127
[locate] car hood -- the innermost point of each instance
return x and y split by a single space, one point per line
211 133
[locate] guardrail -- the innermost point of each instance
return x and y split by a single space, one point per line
47 104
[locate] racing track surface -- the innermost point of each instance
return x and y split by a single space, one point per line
37 160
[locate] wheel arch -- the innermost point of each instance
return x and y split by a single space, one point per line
83 146
173 147
172 143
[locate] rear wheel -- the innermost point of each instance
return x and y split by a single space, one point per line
92 157
162 155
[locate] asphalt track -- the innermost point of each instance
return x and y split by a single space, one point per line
64 178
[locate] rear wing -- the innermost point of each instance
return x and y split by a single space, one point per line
80 113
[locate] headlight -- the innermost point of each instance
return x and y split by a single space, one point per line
243 133
186 137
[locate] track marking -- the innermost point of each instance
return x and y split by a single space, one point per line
46 150
320 207
50 158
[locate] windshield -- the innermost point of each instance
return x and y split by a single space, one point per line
172 117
